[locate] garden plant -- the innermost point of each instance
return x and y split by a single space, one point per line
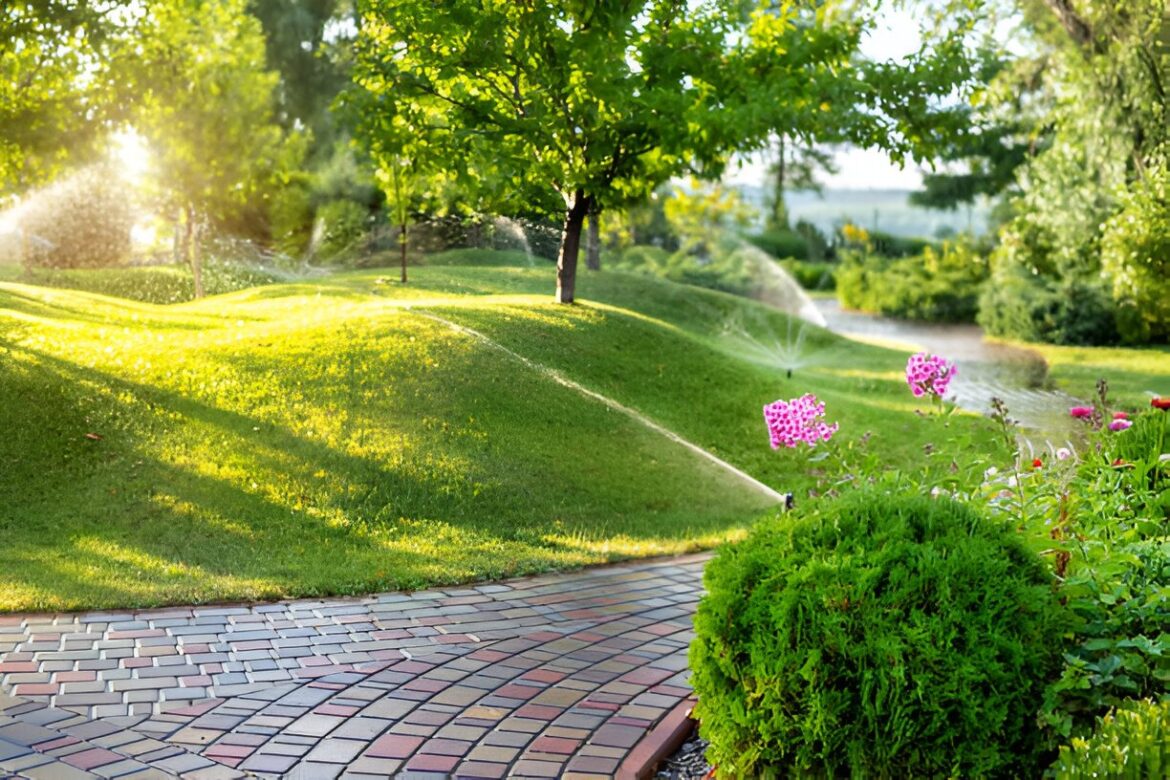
965 618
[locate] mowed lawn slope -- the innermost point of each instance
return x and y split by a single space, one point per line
333 437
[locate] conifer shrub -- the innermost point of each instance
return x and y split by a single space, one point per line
876 635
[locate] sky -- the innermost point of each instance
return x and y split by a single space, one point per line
894 36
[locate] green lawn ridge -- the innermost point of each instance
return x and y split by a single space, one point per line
330 437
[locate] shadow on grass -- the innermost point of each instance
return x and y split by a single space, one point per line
189 502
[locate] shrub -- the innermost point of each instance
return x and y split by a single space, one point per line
878 635
936 286
1131 742
810 275
344 224
82 221
818 244
1033 308
781 244
1135 255
890 245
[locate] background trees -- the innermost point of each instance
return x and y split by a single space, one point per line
1090 219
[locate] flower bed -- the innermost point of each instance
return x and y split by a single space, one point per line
968 615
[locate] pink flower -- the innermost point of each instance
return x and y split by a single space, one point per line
1063 453
1120 416
929 374
1119 425
798 420
1081 412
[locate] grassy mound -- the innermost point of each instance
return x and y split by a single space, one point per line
331 436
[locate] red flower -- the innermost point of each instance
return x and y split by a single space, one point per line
1162 403
1037 463
1120 416
1119 464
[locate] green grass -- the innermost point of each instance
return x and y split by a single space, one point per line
1133 374
328 437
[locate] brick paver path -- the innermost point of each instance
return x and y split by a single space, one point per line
543 677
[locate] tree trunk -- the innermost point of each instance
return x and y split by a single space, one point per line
593 244
570 246
402 248
779 207
191 245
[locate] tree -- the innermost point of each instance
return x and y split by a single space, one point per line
1095 188
602 101
48 115
205 105
795 169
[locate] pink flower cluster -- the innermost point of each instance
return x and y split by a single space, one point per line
798 420
929 374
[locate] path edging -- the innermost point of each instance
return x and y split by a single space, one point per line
665 738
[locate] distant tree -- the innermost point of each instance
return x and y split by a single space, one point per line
205 105
795 169
307 43
1002 132
600 102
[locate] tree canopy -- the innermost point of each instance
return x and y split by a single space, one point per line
48 113
600 102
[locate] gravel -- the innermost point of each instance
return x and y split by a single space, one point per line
688 763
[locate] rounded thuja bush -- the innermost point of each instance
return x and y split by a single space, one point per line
876 636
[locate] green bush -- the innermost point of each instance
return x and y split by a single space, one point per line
811 275
344 224
1033 308
889 245
782 244
936 286
1131 743
876 635
1135 255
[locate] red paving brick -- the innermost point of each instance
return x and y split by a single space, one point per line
290 688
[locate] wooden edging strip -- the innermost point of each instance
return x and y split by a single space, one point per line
662 741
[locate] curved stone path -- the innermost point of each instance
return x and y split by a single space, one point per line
550 676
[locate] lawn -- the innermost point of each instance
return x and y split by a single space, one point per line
331 436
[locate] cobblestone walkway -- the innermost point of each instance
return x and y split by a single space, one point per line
542 677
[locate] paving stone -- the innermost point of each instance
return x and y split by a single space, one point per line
392 684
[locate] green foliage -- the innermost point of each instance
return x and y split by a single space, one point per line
52 115
343 225
936 286
1130 743
585 101
204 101
1034 308
1098 178
782 244
812 276
81 221
480 257
878 635
1135 255
1104 522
